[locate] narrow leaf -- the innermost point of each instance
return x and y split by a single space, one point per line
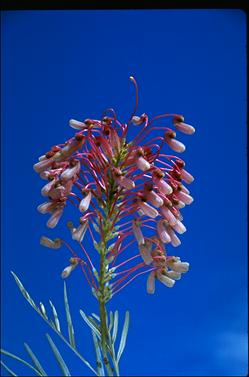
35 360
96 316
100 368
8 369
51 324
115 326
21 360
56 319
23 291
69 320
123 336
43 310
59 359
111 321
90 324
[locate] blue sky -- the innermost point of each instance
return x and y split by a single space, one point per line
58 65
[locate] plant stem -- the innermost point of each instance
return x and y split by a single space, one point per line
102 310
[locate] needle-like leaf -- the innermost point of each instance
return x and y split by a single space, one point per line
59 359
69 319
123 336
8 369
90 324
36 362
21 361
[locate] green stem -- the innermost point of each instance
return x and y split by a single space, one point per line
102 310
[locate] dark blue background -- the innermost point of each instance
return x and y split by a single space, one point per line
58 65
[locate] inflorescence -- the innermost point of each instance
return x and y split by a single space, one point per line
121 189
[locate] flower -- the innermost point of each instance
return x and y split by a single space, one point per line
120 188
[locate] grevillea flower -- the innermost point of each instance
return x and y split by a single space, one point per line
121 189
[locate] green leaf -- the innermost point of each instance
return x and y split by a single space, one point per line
6 353
100 368
115 326
69 320
56 319
8 369
51 324
111 321
96 316
90 324
35 360
24 292
123 336
59 359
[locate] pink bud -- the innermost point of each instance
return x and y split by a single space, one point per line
186 176
79 233
39 167
163 186
67 271
175 241
155 199
137 231
185 128
185 198
45 207
148 210
168 215
176 145
145 251
77 125
85 202
179 227
48 187
125 182
54 219
143 164
70 172
162 232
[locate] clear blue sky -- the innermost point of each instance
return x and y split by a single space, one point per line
58 65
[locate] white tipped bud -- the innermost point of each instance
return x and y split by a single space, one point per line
143 164
85 202
185 128
180 266
179 227
77 125
174 275
67 271
148 210
165 280
79 233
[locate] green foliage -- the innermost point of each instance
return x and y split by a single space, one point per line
93 322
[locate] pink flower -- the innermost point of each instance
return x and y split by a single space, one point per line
112 179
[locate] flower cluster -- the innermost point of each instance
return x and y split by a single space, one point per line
122 187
